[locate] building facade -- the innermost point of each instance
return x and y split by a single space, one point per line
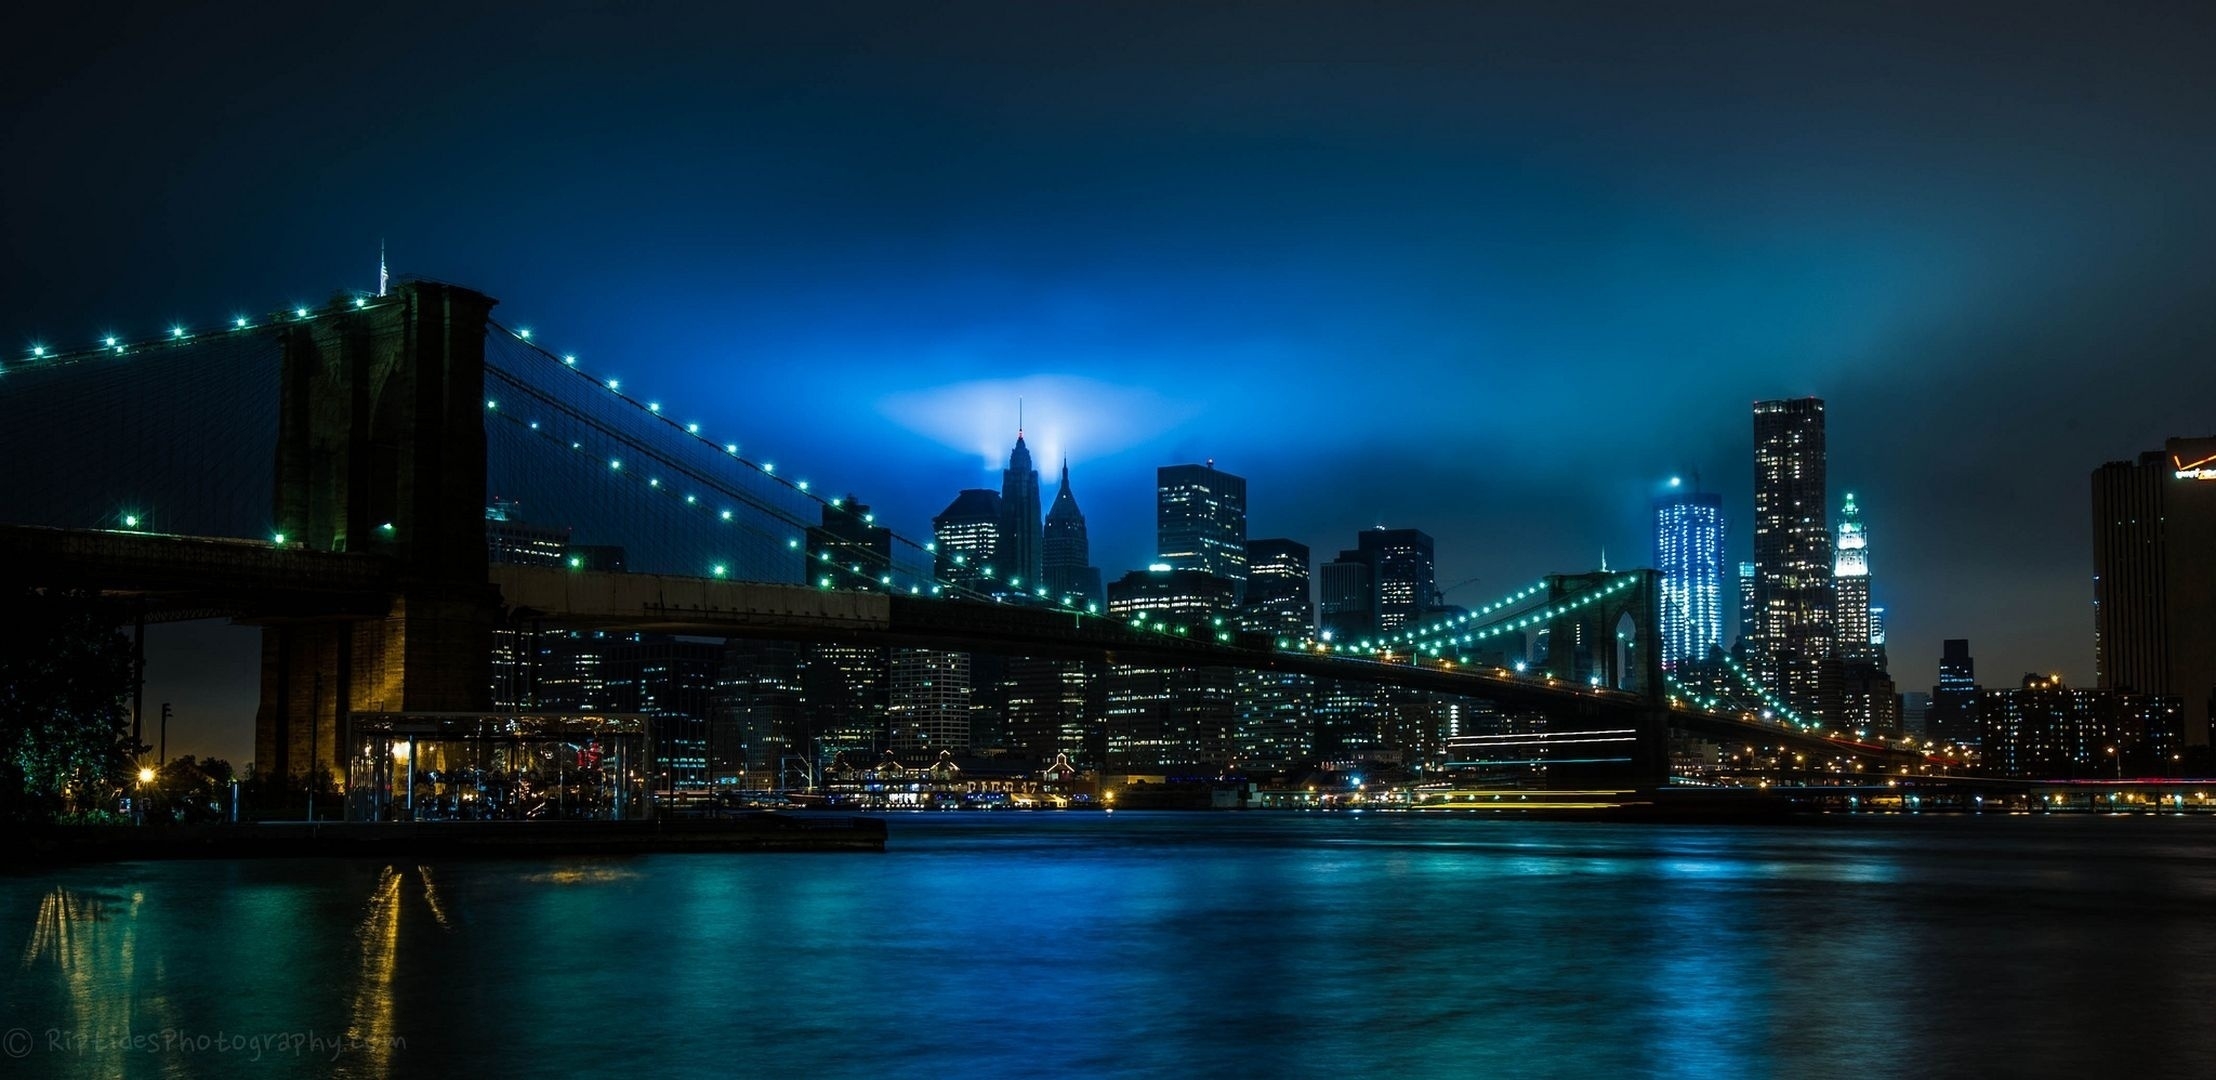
1689 553
1200 521
1794 638
1850 582
1279 599
1403 579
2154 580
966 538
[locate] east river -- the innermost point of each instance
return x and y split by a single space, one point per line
1201 945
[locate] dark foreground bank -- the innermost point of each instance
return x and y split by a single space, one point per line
446 839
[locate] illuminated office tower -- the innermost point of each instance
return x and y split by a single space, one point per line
1750 614
1402 576
1278 597
1275 723
928 709
1792 651
1157 716
967 535
1689 552
1201 522
1850 581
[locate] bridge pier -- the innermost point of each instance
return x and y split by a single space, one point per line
1584 649
381 449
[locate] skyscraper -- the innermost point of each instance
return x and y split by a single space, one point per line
674 682
1850 582
1275 724
1952 716
1402 575
1278 597
1792 555
1158 716
1689 552
967 535
929 707
1347 606
848 549
1200 521
1066 558
1750 614
1018 558
2154 582
844 684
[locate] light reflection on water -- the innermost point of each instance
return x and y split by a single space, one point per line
1269 945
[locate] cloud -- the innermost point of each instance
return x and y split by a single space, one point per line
1068 415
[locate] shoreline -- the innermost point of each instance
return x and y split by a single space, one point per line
74 844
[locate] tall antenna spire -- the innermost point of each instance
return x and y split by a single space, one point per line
1019 416
1603 560
383 279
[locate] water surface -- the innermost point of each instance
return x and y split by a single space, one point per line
1148 944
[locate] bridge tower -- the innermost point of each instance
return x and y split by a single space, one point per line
381 448
1614 644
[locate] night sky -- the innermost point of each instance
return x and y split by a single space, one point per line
1494 275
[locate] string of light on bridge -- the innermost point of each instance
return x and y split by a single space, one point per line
827 571
109 344
1431 640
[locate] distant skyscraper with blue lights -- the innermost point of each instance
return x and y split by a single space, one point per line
1689 552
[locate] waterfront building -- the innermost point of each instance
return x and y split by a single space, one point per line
928 708
1200 521
1158 716
2154 580
761 720
1793 646
2047 729
1689 553
1051 707
673 682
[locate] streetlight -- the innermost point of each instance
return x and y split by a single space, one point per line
2118 759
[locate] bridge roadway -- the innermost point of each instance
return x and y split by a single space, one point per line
189 577
198 577
716 608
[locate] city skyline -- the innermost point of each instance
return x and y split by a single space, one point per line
1425 264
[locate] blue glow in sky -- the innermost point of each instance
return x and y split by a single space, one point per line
1489 274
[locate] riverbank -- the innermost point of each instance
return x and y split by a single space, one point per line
63 844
